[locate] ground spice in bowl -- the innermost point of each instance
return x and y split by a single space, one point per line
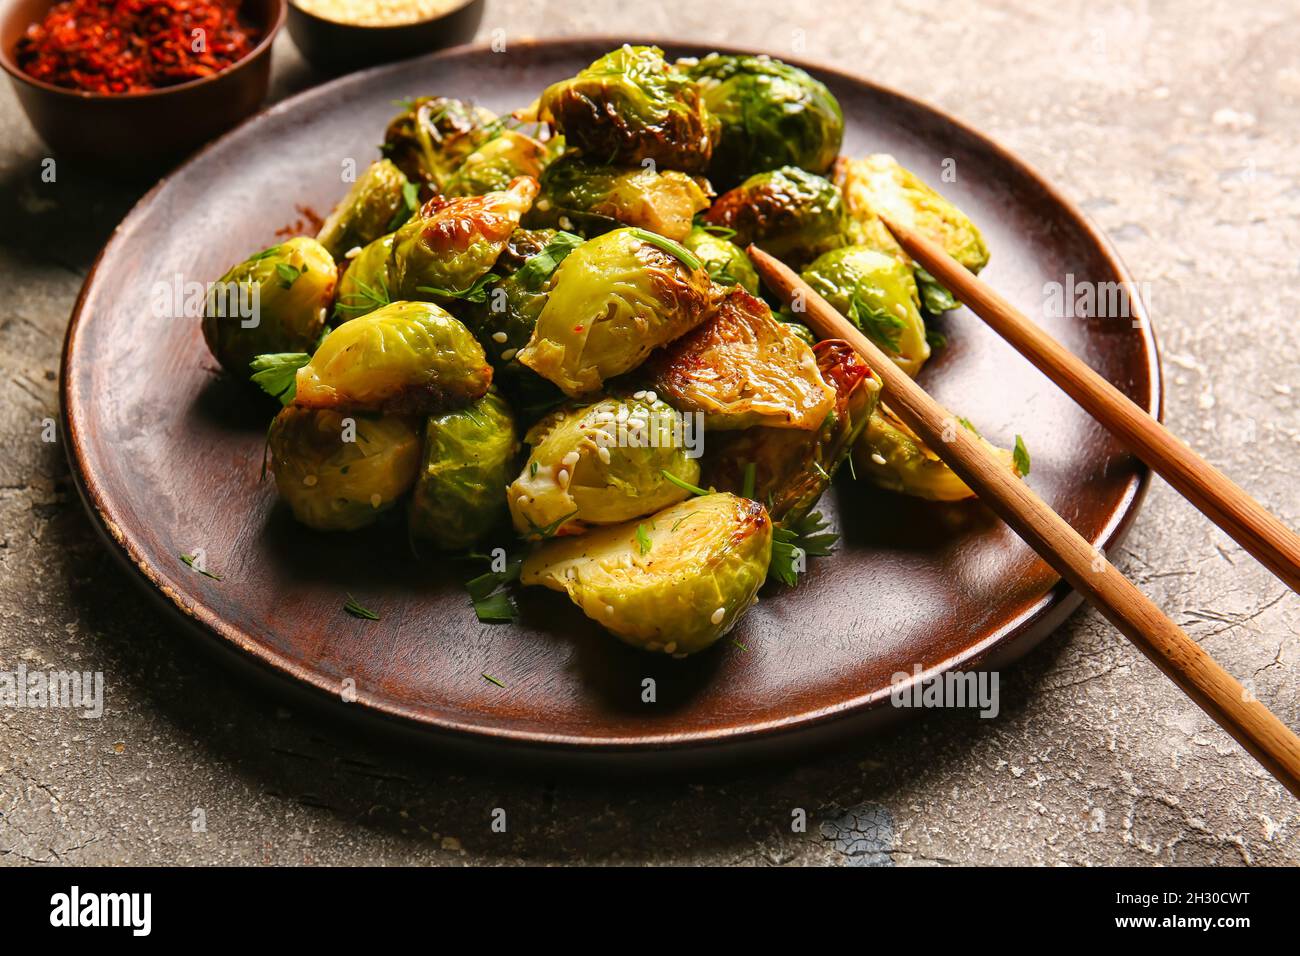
377 13
131 46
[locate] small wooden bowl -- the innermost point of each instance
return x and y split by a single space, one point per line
336 47
140 132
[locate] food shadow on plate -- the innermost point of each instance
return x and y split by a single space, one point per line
614 672
871 517
230 405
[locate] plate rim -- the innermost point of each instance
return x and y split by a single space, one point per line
1060 599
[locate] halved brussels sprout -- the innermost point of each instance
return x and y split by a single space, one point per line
789 212
368 210
877 294
890 455
742 367
504 157
675 582
791 469
726 263
600 464
629 106
452 243
433 135
613 300
504 320
589 199
274 301
364 285
337 472
468 454
877 184
406 357
771 114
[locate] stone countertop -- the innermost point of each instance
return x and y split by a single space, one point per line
1176 125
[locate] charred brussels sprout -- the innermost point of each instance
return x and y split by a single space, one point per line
373 206
742 367
451 244
791 469
433 135
613 300
340 473
877 184
675 582
364 285
770 115
408 357
274 301
724 261
890 455
601 464
590 199
504 321
467 460
502 158
790 213
878 294
630 106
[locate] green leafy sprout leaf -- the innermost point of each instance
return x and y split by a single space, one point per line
276 373
792 542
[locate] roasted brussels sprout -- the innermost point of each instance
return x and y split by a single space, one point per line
452 243
340 473
631 106
724 261
364 285
600 464
406 357
274 301
742 367
589 199
791 469
770 115
878 294
504 320
790 213
433 135
877 184
890 455
505 156
612 301
369 210
675 582
468 454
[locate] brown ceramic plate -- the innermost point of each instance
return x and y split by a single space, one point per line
168 454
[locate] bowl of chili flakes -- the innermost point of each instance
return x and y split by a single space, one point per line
133 85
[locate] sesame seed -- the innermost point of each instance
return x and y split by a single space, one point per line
499 336
603 454
670 647
878 458
376 500
563 477
718 615
508 354
651 397
352 253
570 459
640 394
522 500
309 480
609 610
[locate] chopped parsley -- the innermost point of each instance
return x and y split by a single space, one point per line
792 542
277 373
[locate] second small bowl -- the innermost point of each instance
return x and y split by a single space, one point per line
337 47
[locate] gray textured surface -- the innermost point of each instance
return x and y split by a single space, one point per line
1175 124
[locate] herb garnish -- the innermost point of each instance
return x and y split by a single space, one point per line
688 258
356 610
792 542
1020 456
277 373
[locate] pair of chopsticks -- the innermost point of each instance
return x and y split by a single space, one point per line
1134 614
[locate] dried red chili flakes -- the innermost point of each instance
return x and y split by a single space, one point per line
127 46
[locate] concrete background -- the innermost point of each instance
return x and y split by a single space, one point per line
1175 124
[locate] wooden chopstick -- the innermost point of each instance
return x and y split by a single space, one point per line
1272 543
1163 642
